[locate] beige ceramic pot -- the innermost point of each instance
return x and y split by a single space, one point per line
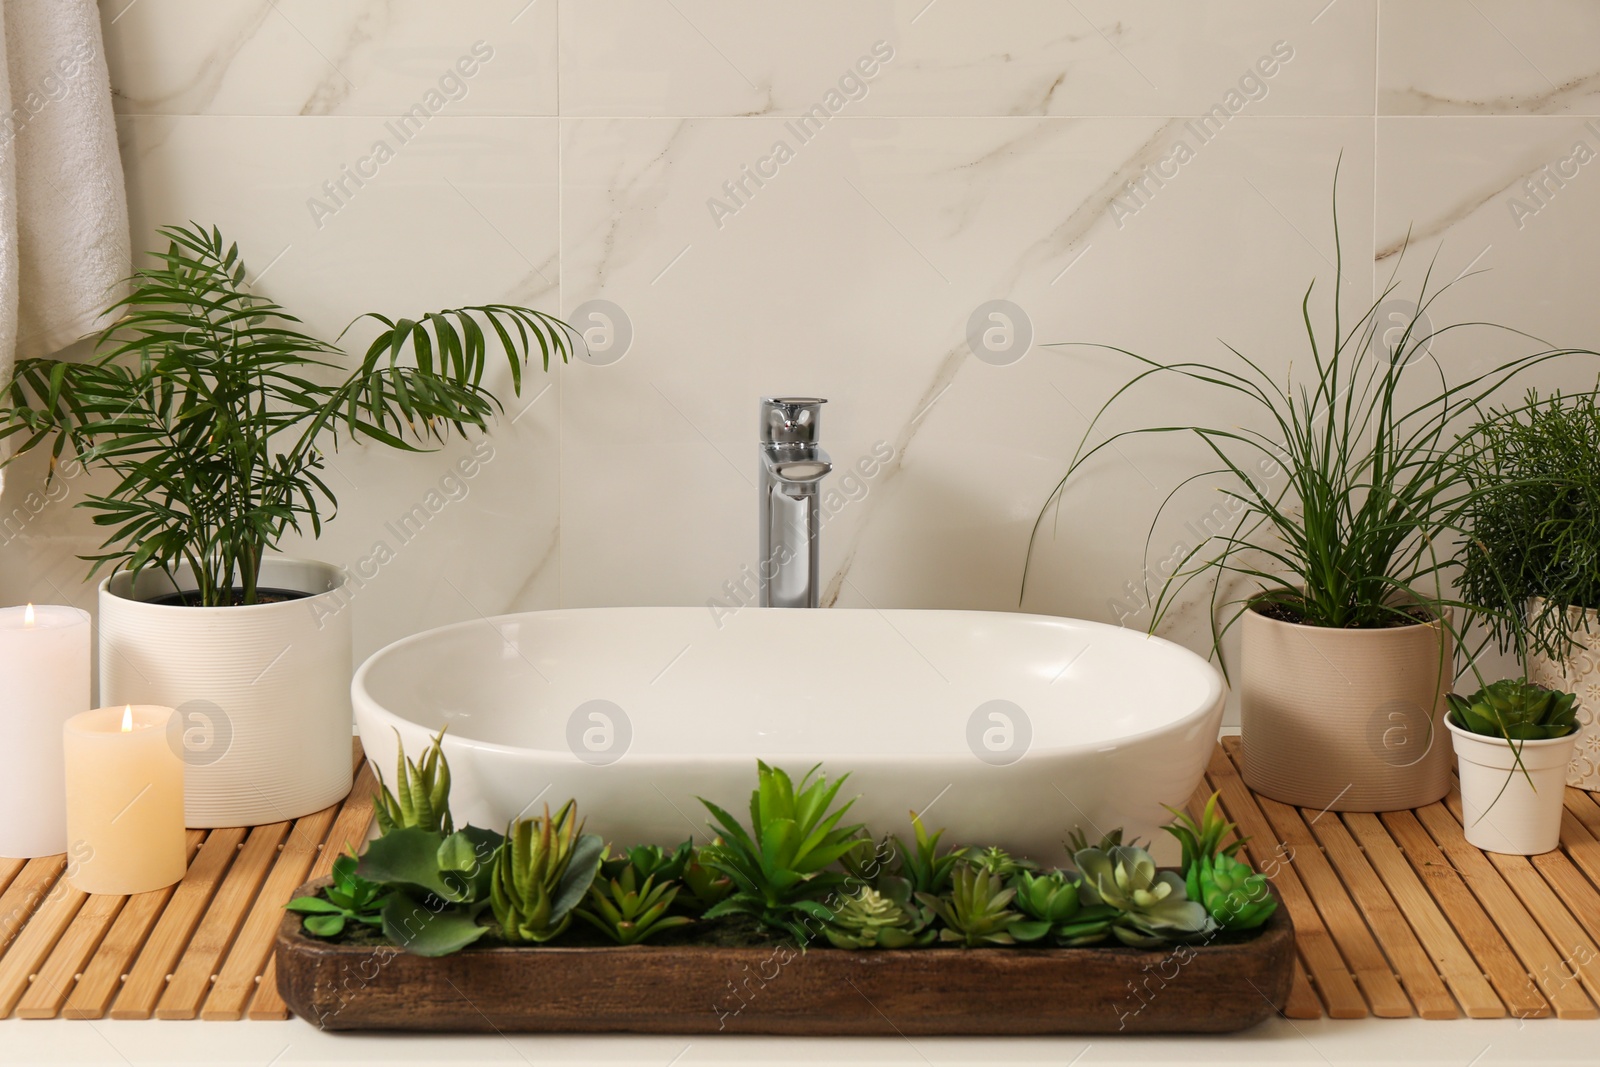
1578 673
1345 720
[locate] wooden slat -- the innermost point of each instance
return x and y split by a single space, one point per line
36 940
1585 808
25 893
1500 964
9 869
1538 956
1414 969
102 978
1448 955
202 956
236 980
1340 915
351 827
1324 966
148 975
49 989
1549 885
1581 845
1303 1002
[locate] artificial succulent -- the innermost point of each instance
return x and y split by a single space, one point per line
1053 898
350 898
541 873
1235 896
923 865
1000 863
1153 906
421 799
628 912
1203 838
881 916
650 861
977 910
782 864
1517 710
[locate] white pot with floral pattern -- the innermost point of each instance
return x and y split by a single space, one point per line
1579 673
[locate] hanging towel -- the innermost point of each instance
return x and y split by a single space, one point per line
64 246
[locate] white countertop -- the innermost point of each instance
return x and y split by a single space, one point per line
1460 1043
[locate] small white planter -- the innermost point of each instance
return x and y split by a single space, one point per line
1511 816
262 692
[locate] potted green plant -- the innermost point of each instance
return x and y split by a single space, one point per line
1336 503
1513 740
1533 555
211 412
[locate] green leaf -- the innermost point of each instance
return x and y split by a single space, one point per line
426 927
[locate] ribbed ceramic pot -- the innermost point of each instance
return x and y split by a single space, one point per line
262 692
1579 673
1345 720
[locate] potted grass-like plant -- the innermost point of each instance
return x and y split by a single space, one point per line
1533 556
212 412
1339 502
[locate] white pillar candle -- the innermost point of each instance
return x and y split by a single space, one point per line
124 800
44 680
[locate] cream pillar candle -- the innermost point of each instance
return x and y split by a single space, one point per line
124 800
44 680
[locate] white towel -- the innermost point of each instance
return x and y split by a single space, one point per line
64 247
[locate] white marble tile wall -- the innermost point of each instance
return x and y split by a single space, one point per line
816 197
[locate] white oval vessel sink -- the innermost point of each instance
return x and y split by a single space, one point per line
1004 728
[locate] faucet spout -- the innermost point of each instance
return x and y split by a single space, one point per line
792 468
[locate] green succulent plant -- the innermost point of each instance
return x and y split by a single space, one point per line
1517 710
781 865
423 797
923 865
350 898
1203 839
628 912
1153 905
881 916
707 886
440 883
977 911
647 861
1078 840
1053 898
1000 863
541 873
1236 897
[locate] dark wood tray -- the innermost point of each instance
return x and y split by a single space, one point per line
1214 988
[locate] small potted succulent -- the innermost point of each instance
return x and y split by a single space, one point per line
211 412
1533 555
1324 547
1513 740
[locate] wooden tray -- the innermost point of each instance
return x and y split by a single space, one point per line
1214 988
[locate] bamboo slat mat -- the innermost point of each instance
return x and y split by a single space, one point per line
199 949
1395 916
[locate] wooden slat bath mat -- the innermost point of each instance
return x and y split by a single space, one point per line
199 949
1395 916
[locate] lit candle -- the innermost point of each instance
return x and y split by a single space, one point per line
124 800
44 680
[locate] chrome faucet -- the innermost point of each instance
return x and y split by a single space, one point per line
792 467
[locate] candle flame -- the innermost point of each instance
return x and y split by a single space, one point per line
27 616
127 719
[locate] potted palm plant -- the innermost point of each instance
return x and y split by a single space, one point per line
1338 500
1533 557
211 411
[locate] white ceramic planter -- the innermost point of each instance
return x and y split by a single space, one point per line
1579 673
1344 720
262 692
1500 810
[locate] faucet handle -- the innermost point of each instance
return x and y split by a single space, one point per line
790 420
